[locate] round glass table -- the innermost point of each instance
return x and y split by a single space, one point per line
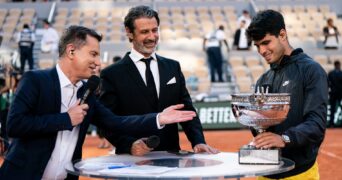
164 165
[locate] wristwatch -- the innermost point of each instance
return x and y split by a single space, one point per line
285 138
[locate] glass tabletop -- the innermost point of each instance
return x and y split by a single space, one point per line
163 165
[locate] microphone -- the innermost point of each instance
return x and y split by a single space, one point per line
93 83
152 141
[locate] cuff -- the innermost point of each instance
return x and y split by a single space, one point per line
158 125
66 125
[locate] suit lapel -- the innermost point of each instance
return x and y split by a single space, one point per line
56 90
163 77
81 91
84 124
135 75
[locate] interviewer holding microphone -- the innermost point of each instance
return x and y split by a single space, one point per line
48 123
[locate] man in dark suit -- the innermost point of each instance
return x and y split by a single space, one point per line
48 124
143 82
241 42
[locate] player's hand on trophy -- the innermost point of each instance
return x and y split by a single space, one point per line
268 140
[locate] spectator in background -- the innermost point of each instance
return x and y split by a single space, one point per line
25 40
116 59
212 43
245 17
192 82
335 84
331 34
49 43
241 42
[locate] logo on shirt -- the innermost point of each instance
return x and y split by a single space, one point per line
286 83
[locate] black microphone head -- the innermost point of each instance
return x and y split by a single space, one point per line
93 83
152 141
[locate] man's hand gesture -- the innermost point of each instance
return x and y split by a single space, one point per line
172 114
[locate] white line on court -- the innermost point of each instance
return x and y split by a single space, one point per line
331 155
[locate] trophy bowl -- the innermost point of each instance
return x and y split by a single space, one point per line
260 111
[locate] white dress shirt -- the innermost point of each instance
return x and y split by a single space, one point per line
331 40
136 57
214 38
141 66
243 43
66 140
244 18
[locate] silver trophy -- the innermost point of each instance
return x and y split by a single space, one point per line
260 111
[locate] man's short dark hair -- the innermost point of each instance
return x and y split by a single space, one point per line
46 22
26 26
265 22
139 12
77 36
337 63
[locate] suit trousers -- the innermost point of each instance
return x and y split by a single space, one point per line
215 63
26 54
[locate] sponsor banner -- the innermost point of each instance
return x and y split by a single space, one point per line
216 115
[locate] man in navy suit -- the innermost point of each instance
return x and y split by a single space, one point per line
144 82
48 124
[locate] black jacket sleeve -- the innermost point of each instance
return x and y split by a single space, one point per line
193 129
24 120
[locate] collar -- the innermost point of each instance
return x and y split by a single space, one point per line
64 80
286 59
26 30
136 56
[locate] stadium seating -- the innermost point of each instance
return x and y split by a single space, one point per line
184 23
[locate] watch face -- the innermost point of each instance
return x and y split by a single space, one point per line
286 138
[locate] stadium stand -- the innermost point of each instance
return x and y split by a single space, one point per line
183 25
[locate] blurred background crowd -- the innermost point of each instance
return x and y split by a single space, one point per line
29 33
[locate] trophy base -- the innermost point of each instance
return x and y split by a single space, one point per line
250 155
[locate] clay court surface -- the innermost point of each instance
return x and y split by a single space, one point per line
329 158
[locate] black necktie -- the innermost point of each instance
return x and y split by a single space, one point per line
151 86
